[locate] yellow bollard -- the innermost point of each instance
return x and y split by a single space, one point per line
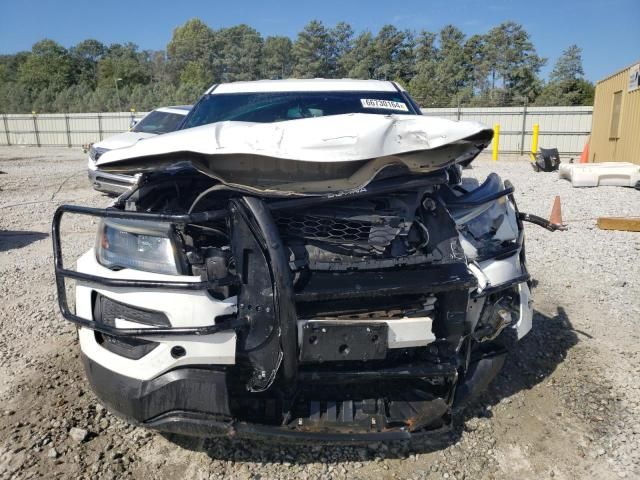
496 140
534 141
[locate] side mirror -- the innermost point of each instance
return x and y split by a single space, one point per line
133 123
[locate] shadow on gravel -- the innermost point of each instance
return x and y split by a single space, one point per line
535 357
12 239
533 360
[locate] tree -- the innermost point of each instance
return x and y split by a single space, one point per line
277 57
237 54
124 62
48 66
10 65
394 54
341 43
568 66
512 57
567 85
15 98
360 60
567 93
195 75
312 51
71 99
424 85
476 52
500 67
453 68
192 42
85 56
158 65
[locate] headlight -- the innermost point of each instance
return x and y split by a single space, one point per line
96 152
125 244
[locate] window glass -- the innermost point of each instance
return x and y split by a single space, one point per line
615 115
159 122
267 107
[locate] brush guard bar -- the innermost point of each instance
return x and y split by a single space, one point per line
63 273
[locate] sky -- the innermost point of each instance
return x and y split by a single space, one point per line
606 30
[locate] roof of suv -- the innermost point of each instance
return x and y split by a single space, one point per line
179 109
305 85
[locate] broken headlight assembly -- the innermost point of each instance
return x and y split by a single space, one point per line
96 152
140 246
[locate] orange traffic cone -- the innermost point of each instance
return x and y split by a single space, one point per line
556 212
584 156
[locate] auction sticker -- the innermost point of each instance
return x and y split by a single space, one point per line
383 104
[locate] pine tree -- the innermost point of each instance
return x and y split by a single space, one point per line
238 53
312 52
424 84
192 42
277 57
567 85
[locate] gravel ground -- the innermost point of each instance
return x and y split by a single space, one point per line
567 405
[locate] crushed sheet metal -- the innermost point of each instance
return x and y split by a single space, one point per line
330 139
306 156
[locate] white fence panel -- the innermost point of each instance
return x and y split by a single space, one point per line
85 129
565 128
73 129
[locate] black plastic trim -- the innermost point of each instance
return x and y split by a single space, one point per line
408 371
195 402
432 279
377 188
282 287
193 389
480 201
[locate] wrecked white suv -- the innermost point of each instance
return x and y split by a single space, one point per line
300 261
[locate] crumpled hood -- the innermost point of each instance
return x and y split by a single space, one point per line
307 155
122 140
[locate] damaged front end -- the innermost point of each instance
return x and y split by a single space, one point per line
213 307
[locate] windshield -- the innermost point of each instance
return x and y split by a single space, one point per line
267 107
159 122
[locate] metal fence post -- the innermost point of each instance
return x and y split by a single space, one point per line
35 127
459 111
6 129
100 126
66 121
524 126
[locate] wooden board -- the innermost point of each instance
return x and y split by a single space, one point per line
629 224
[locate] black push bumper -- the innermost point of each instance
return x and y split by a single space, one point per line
63 273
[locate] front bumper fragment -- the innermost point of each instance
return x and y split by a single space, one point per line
196 402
